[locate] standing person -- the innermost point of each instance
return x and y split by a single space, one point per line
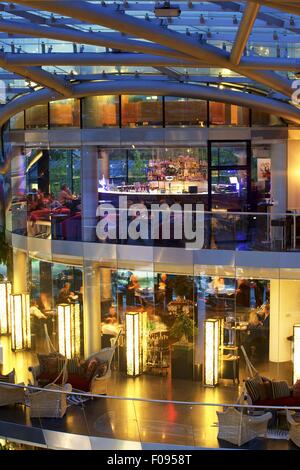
38 320
64 294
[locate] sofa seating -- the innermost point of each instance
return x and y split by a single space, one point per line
265 392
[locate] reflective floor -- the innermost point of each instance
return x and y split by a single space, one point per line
126 419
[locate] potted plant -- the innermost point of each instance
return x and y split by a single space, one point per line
183 328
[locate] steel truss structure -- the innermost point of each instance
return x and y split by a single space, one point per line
250 47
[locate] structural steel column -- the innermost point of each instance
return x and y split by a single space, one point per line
19 271
91 308
89 191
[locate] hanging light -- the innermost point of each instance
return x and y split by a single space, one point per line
211 352
296 360
5 293
20 322
136 342
69 329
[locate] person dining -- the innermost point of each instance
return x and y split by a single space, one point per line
64 294
65 196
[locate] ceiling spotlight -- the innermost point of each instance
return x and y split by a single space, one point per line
292 21
275 36
202 19
165 9
208 34
234 19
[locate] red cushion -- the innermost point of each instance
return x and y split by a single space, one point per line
283 401
79 382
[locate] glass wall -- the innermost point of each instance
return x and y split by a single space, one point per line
65 113
138 111
53 188
185 112
261 119
224 114
37 117
53 284
17 121
100 111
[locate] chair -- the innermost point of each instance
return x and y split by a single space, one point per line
294 431
99 384
239 428
47 403
10 395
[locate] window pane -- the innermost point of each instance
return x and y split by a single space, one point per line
185 112
100 111
37 117
65 113
259 118
141 111
228 154
17 121
223 114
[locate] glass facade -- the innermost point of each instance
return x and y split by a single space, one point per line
140 111
64 113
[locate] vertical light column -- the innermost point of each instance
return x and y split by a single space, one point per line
5 303
211 352
69 329
20 322
296 354
19 271
136 342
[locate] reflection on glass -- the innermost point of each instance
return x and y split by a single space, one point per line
224 114
17 121
259 118
36 117
65 113
100 111
140 111
185 112
228 154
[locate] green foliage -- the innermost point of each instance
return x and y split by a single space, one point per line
137 171
4 249
183 326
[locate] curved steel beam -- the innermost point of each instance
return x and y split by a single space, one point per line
113 19
39 76
109 58
248 19
95 39
160 88
283 6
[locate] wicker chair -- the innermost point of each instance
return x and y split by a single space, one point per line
239 428
294 431
10 395
48 404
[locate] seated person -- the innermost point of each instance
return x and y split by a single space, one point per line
65 196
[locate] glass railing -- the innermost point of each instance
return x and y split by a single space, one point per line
217 230
85 420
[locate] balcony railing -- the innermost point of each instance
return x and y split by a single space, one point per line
217 230
87 421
